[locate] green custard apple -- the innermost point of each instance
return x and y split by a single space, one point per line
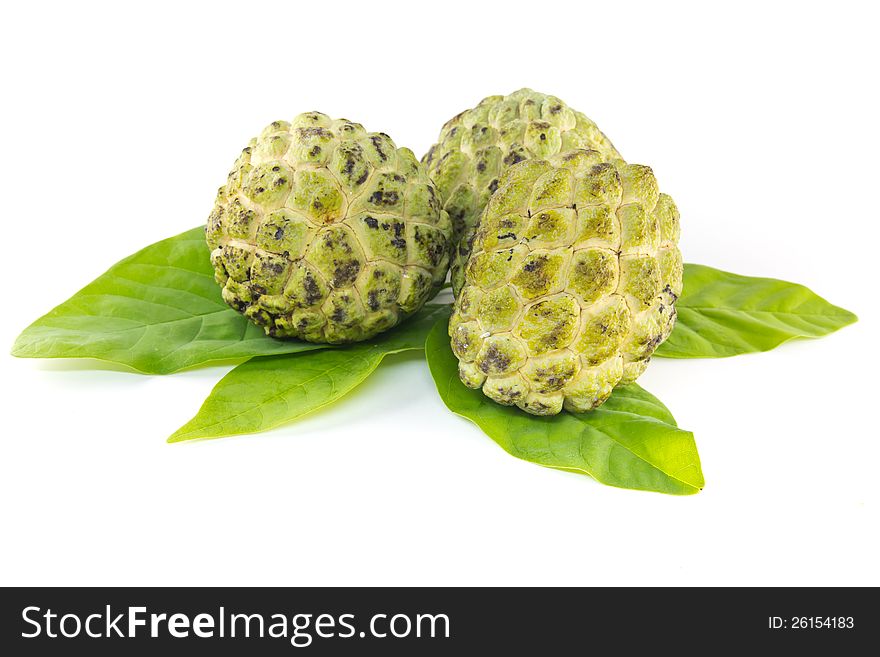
327 233
571 283
476 146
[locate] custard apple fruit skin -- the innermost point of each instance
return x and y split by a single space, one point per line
477 145
326 232
571 284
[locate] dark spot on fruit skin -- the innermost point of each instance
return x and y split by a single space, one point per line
398 229
669 291
373 300
553 337
313 292
481 166
280 181
314 132
377 144
345 273
276 168
384 198
260 190
239 305
456 215
494 358
371 222
513 157
543 137
338 314
535 264
430 155
279 233
510 393
315 152
261 318
507 236
556 109
493 185
317 205
398 243
433 248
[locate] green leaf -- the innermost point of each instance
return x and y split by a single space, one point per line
635 399
157 311
722 314
266 392
631 441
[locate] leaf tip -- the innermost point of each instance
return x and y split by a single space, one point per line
849 317
178 436
18 347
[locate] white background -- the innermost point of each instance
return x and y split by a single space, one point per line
119 123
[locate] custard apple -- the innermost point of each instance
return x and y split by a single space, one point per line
571 284
476 146
327 232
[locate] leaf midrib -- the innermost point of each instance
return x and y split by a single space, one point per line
730 309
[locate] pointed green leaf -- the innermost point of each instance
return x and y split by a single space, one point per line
630 442
157 311
722 314
266 392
